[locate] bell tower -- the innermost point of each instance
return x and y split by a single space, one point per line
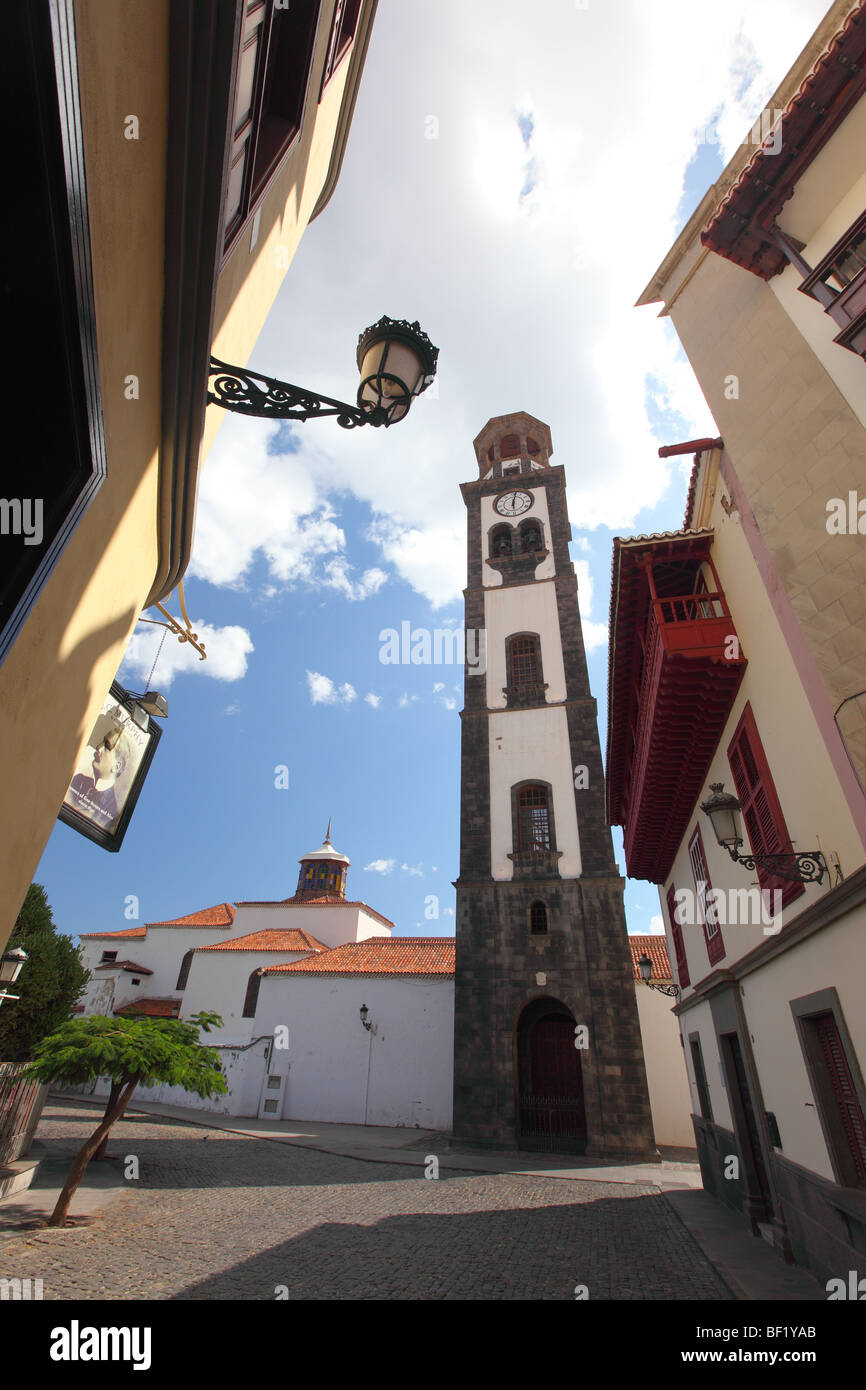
547 1045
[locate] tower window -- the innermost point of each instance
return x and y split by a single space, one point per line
501 541
533 818
530 537
523 663
538 919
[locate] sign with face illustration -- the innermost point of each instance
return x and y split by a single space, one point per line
111 770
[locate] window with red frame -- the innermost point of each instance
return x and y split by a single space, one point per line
707 915
677 934
762 811
342 34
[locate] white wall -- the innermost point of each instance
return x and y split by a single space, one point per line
523 608
218 981
162 951
338 1071
532 744
490 518
670 1098
332 924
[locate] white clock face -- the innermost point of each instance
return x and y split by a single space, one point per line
513 503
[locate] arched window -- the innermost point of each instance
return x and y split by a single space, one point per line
533 817
523 659
538 919
530 537
501 542
184 971
251 998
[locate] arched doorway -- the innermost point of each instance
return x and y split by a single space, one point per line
550 1110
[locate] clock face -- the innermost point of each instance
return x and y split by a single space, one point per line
513 503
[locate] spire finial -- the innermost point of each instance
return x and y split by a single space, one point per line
328 832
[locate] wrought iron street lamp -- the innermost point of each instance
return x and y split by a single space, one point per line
724 810
646 969
363 1011
396 360
11 964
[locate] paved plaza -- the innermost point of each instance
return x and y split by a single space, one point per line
218 1215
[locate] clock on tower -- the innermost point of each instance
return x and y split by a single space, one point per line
547 1045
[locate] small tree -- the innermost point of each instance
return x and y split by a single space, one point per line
132 1052
50 983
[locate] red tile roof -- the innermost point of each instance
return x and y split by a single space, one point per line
656 948
223 915
112 935
129 965
151 1008
325 900
380 955
270 939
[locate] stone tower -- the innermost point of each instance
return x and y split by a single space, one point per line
547 1045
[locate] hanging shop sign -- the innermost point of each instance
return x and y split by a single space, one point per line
101 797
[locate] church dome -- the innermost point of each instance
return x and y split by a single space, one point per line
323 871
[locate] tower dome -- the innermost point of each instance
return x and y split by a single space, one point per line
323 871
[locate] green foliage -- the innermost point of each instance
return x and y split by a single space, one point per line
150 1051
49 985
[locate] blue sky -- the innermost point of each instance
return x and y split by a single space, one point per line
519 213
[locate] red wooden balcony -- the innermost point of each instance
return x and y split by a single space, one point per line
676 666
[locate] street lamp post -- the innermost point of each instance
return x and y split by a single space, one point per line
396 360
11 964
646 969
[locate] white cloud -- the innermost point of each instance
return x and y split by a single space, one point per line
414 872
226 648
324 691
656 926
337 576
448 912
232 709
380 866
374 701
406 700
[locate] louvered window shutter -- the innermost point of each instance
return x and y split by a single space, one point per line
707 915
843 1089
762 810
677 934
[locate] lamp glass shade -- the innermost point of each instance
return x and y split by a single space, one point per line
363 1012
646 967
723 810
397 362
11 965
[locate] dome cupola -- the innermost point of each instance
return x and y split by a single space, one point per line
323 872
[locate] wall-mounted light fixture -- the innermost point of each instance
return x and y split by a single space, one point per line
646 969
363 1011
396 359
724 810
11 964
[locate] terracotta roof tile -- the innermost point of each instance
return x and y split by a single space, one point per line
270 939
656 948
223 915
151 1008
128 965
112 935
379 955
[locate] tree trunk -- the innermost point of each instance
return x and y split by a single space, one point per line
88 1149
116 1087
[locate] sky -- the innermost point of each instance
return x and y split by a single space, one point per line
513 178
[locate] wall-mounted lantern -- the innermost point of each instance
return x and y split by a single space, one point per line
724 810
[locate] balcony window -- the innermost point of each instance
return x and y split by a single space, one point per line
761 808
533 818
706 915
838 283
342 33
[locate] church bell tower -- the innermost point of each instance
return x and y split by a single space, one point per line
547 1044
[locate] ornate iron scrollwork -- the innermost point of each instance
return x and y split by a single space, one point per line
250 393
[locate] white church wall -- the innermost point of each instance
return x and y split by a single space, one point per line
244 1068
338 1071
523 608
162 951
330 923
218 981
532 745
667 1079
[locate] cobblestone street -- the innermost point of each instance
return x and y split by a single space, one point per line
217 1215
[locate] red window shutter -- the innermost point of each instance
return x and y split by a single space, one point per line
844 1092
712 930
677 934
762 810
